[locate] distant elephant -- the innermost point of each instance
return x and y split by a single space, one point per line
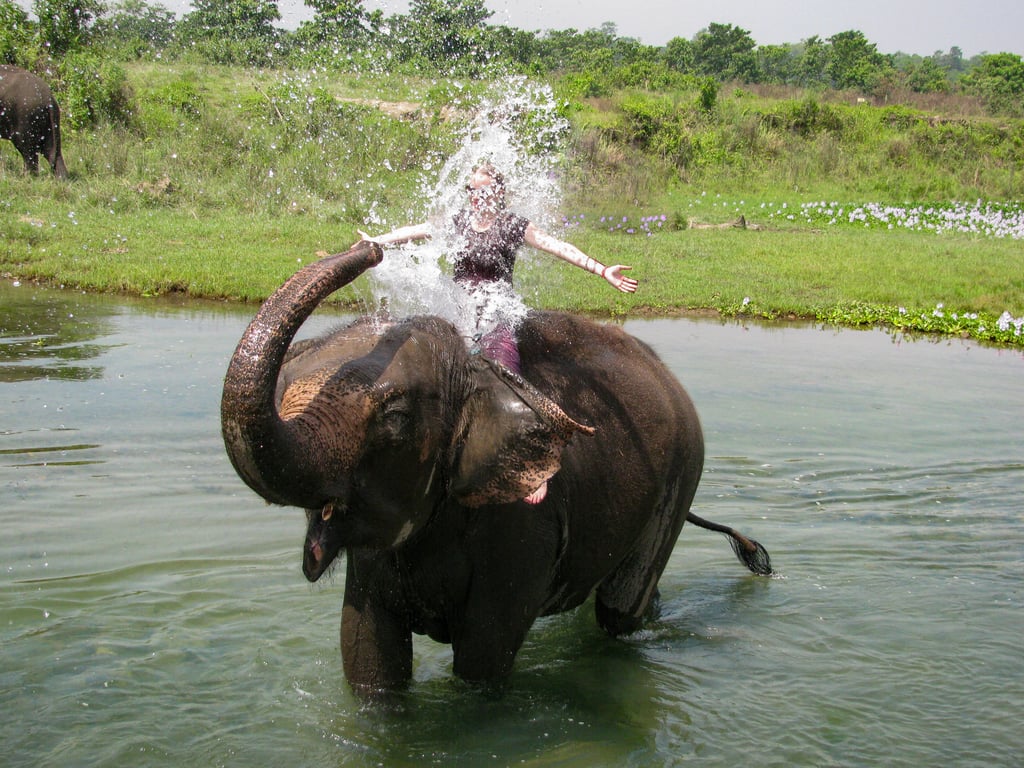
30 117
414 455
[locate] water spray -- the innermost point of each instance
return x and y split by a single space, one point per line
518 129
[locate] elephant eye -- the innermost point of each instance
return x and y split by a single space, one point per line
395 417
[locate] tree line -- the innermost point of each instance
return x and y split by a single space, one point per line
454 37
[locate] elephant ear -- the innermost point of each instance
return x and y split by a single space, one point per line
510 438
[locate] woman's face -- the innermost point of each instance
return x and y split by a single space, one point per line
483 192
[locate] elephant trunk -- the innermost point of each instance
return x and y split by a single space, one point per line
267 454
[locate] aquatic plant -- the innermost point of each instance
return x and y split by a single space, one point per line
988 219
645 225
1005 329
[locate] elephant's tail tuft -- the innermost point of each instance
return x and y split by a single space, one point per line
750 552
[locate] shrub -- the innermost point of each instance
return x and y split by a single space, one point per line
647 118
92 91
648 75
708 94
584 85
999 81
15 34
165 107
805 118
900 118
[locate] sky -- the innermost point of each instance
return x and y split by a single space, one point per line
909 26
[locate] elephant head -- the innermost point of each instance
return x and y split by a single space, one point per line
372 428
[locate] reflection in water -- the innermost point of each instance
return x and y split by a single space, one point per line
47 334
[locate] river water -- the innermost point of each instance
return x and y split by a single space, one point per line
154 612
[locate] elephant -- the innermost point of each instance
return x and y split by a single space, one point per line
412 453
30 117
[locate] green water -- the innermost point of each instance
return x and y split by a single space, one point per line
153 612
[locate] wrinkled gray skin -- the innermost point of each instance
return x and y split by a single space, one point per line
413 455
30 117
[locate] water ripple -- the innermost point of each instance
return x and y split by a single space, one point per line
62 450
155 613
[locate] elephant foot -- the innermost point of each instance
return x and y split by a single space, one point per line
538 495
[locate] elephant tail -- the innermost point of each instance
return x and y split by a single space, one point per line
55 157
750 552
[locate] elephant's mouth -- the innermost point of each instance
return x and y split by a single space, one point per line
321 547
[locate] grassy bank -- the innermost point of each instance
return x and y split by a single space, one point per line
228 181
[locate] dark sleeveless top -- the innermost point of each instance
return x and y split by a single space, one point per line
488 256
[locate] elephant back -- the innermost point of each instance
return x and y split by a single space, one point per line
643 463
584 364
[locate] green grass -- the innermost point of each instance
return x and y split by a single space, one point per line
230 180
790 271
801 272
230 256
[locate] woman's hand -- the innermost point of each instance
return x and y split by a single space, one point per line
614 276
363 238
399 236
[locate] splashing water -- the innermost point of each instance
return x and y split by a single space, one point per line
519 131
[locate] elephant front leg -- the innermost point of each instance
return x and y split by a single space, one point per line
487 653
494 624
376 644
513 564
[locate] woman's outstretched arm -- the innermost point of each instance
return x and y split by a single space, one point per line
401 235
569 252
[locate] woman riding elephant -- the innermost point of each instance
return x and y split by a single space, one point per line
488 237
412 456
